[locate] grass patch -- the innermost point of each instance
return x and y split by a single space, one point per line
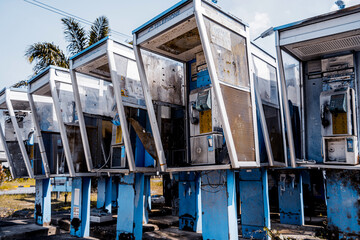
18 205
156 186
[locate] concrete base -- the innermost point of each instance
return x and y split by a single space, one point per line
22 229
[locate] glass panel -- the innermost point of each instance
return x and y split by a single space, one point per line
50 132
292 79
230 55
101 120
24 119
266 84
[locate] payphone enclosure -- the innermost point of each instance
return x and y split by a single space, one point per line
52 102
111 109
195 65
17 134
318 66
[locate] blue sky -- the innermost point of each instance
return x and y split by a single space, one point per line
23 24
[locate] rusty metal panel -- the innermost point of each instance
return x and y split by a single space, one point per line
230 55
239 111
166 79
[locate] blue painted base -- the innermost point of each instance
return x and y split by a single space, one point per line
104 194
114 189
254 198
80 207
130 210
218 198
291 204
190 202
147 199
42 213
343 208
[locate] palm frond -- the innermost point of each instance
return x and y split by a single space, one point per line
45 54
75 34
99 30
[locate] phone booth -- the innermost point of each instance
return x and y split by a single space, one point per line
16 125
52 103
114 125
319 72
197 71
23 148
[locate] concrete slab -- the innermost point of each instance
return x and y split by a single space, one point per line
24 229
165 221
172 233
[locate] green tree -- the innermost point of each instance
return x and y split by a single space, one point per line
44 54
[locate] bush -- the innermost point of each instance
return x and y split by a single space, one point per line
2 174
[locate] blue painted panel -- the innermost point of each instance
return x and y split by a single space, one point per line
189 202
42 213
291 205
342 190
255 214
203 79
147 196
215 205
139 205
114 190
130 207
80 207
231 205
101 189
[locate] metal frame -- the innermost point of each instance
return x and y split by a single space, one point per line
281 74
199 12
102 48
7 153
14 95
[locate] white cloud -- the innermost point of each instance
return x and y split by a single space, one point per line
348 3
260 23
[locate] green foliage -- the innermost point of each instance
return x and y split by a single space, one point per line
99 30
45 54
74 34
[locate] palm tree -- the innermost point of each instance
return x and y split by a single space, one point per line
99 30
45 53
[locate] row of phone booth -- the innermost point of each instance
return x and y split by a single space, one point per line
194 98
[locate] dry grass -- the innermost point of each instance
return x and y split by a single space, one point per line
17 182
11 204
156 186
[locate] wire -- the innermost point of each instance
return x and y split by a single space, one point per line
66 14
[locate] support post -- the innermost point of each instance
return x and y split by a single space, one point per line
115 189
42 213
130 210
254 198
80 207
190 213
291 205
343 208
104 194
218 198
147 199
